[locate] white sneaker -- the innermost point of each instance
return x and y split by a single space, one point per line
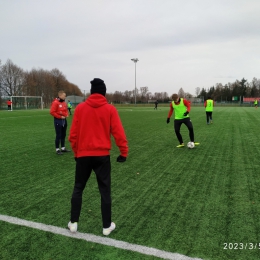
107 231
73 227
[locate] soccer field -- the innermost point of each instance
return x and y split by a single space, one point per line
202 202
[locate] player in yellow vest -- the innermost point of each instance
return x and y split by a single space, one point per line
181 109
209 104
256 103
69 106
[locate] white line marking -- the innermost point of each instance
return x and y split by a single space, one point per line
20 117
96 239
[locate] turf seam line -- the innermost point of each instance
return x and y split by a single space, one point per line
97 239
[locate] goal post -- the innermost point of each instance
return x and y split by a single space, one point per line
24 102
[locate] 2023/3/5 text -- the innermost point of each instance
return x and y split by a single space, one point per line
241 246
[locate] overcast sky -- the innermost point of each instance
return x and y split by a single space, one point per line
179 43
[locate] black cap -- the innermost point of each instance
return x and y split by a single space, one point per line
98 86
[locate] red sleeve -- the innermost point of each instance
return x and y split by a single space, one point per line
66 112
205 103
170 111
187 104
73 136
54 109
118 133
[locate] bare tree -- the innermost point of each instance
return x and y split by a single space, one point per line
181 93
1 91
59 81
72 89
137 94
143 92
187 95
157 96
39 82
109 97
197 91
11 79
128 95
255 87
117 97
165 96
35 82
148 96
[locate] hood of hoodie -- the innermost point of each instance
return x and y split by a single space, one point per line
96 100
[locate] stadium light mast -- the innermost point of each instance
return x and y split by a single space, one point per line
135 61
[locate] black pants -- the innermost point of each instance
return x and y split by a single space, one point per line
9 107
177 127
102 168
208 116
60 129
69 110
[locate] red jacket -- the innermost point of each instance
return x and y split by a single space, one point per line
59 109
9 103
93 123
185 102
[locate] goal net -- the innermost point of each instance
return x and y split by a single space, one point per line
22 102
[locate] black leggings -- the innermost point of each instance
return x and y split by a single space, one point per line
102 167
177 127
208 116
60 130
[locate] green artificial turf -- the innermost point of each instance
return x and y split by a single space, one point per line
188 201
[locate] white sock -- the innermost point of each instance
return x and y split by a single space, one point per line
62 148
57 149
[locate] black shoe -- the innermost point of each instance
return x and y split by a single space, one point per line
58 152
65 150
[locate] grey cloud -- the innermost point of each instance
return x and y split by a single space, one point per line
174 40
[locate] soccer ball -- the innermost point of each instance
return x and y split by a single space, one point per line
190 145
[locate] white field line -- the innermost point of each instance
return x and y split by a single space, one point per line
138 110
97 239
4 118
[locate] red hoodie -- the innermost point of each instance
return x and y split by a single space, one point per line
59 109
93 123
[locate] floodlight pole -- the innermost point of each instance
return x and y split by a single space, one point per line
135 61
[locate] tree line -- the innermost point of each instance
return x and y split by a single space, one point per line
226 93
143 95
14 81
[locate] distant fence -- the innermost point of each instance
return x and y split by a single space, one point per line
217 104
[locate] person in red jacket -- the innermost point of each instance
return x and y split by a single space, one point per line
93 124
59 111
9 105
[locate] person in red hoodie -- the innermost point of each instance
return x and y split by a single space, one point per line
93 124
59 111
9 105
